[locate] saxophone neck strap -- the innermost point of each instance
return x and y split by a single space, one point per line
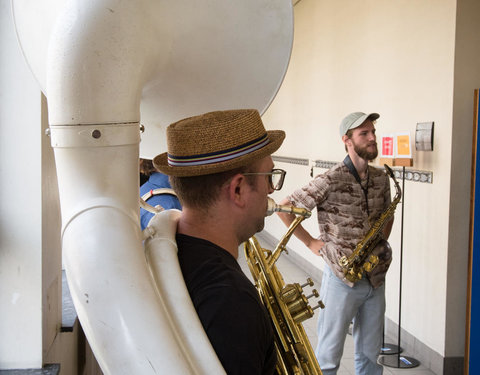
351 167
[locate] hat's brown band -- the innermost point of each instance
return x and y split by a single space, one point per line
219 156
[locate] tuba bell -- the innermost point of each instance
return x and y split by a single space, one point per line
287 305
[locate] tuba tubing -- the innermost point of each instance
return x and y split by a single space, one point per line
161 253
108 61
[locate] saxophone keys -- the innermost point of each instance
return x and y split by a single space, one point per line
343 261
367 266
372 262
353 275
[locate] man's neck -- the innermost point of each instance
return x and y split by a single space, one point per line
361 165
204 226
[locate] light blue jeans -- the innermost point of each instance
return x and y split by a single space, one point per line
362 304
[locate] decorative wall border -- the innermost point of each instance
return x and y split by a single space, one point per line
289 160
413 175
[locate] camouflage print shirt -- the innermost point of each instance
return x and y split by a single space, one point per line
342 214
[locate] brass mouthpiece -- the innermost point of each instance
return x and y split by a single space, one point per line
273 207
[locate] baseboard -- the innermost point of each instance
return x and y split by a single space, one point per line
51 369
425 355
453 365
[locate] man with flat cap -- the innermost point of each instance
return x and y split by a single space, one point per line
349 198
220 167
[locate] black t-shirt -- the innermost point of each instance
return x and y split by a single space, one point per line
228 305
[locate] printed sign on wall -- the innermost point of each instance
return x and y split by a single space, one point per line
396 146
388 146
403 146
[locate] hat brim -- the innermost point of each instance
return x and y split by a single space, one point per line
361 120
276 138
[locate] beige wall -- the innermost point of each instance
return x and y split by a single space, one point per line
397 58
30 255
20 206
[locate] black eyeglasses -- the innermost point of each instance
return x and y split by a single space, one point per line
275 177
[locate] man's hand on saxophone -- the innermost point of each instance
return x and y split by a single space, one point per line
315 245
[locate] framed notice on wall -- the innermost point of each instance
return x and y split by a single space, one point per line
388 146
472 349
403 146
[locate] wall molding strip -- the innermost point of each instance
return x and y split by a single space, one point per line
413 175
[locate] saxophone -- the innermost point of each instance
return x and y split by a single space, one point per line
362 260
287 306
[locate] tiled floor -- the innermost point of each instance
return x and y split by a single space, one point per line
293 274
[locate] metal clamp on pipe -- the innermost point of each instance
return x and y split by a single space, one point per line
96 135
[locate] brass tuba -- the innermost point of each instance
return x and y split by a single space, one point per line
362 259
287 306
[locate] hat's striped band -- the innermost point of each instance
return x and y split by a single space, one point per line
219 156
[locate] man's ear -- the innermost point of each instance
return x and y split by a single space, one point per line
236 190
346 140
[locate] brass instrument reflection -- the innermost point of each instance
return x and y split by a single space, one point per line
287 305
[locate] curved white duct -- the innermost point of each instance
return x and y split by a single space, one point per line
161 252
96 79
103 56
211 54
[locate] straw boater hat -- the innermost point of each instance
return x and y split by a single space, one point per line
216 142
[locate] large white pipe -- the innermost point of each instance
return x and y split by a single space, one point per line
177 58
97 66
161 252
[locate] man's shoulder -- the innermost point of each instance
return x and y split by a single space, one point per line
338 171
337 166
377 173
376 170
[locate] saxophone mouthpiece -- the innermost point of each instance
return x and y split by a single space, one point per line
273 207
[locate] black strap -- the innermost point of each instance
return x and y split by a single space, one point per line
348 162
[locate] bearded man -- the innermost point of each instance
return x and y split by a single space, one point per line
349 198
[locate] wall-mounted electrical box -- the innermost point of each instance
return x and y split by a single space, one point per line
424 136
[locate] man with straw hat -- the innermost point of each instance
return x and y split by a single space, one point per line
220 167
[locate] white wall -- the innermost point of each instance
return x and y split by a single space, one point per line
20 206
395 58
30 256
